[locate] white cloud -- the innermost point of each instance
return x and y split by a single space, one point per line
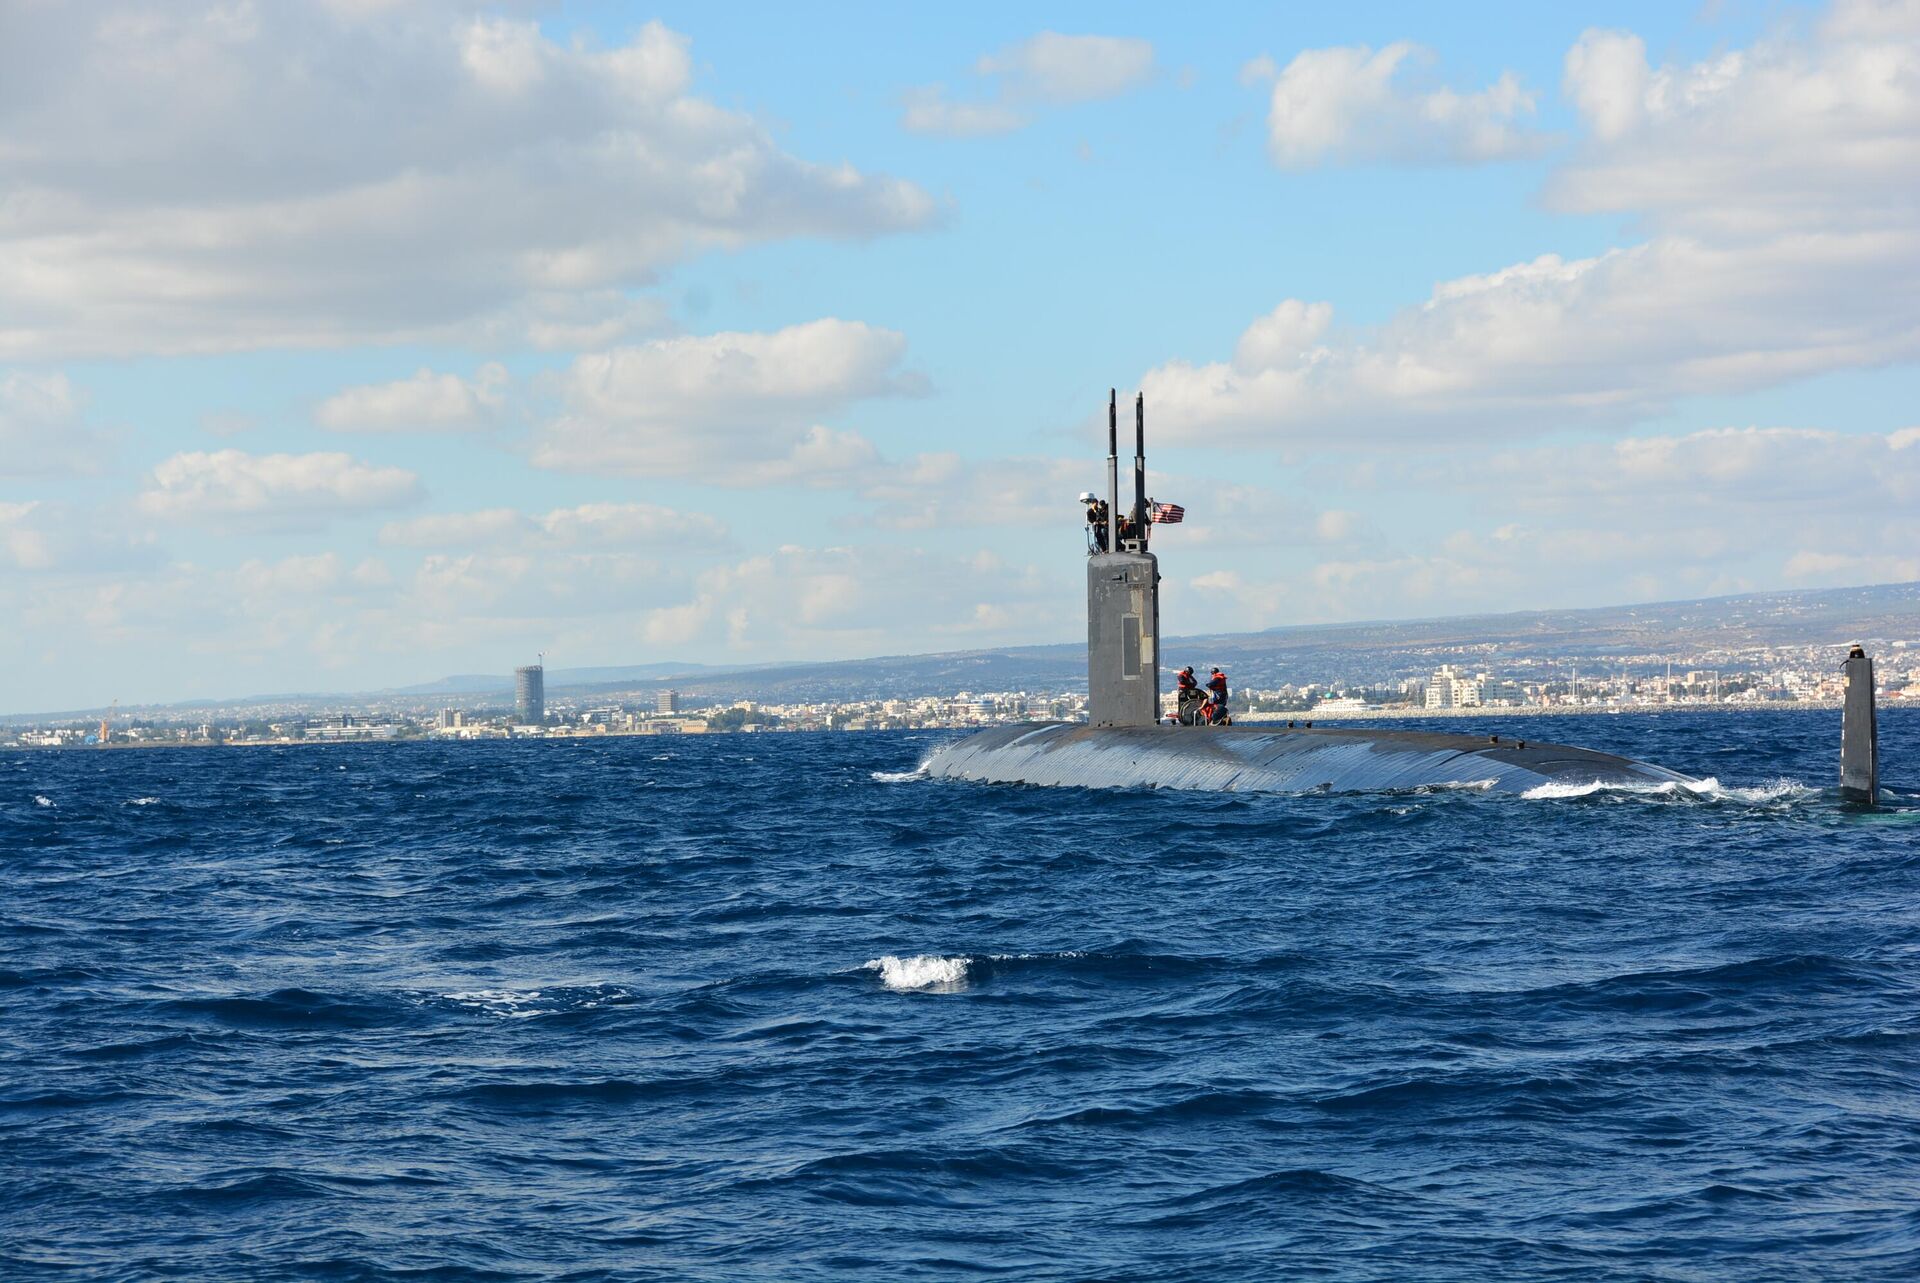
928 110
1050 67
230 489
43 427
730 409
427 402
487 528
1258 70
42 537
837 602
1837 569
1787 244
1350 104
1803 134
1776 183
1646 518
1044 69
943 491
1283 337
632 524
1786 472
294 175
586 526
1336 525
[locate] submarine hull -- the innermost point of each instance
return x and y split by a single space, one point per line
1267 760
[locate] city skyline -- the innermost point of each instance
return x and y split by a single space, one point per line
675 336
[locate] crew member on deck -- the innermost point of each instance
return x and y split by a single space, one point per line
1096 521
1217 688
1187 697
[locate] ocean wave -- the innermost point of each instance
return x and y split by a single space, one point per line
923 973
1708 789
142 801
899 777
950 973
1199 1106
1257 1195
294 1009
523 1004
499 1002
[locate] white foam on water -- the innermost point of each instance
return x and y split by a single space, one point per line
899 777
1709 788
41 799
924 972
142 801
520 1004
1555 789
1781 790
517 1003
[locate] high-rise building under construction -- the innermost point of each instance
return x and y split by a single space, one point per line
530 695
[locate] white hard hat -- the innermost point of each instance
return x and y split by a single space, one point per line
1086 496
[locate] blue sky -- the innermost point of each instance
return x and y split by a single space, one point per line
350 343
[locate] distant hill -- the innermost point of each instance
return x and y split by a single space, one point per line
1608 637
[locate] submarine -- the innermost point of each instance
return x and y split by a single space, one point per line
1126 744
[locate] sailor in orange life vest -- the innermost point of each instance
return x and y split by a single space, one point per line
1187 698
1217 686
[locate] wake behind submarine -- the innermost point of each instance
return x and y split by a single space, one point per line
1124 744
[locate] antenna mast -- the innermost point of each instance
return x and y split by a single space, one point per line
1140 467
1113 470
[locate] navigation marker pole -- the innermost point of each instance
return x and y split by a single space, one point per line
1859 736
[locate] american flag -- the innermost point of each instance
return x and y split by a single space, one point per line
1167 514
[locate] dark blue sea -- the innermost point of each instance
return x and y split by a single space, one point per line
772 1007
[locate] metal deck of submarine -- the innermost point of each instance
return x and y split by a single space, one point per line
1266 760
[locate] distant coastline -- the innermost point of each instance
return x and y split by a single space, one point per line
566 735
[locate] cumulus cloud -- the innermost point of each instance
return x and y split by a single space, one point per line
589 525
1803 134
427 402
730 409
43 427
231 489
1044 69
1786 243
187 179
1354 104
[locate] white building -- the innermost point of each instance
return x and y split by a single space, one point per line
1450 688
